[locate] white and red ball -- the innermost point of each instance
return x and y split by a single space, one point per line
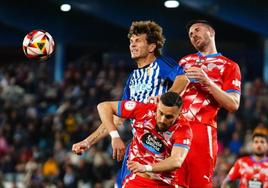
38 44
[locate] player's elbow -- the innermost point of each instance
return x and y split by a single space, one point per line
233 107
233 104
176 163
101 106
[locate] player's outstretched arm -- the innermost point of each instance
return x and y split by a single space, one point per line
225 182
100 133
178 155
179 84
106 111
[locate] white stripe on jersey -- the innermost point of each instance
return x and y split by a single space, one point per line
146 82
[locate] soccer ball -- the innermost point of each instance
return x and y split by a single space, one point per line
38 44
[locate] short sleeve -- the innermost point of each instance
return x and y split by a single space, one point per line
232 79
234 172
126 92
183 137
169 68
133 109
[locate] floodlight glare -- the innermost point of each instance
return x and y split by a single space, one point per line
171 4
65 7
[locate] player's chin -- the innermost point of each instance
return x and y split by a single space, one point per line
134 56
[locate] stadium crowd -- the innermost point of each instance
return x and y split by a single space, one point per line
40 120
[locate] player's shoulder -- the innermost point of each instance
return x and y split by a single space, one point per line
227 60
130 105
183 123
182 61
166 60
244 159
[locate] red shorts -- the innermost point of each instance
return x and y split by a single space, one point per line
136 181
198 167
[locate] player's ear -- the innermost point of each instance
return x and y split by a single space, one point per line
152 47
211 32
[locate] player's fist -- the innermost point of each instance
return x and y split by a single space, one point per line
135 167
80 147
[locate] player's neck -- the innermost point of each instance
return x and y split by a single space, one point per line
210 49
259 158
142 62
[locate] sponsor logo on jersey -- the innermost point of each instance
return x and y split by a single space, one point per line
254 184
140 87
152 143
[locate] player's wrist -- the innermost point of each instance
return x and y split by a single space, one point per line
148 168
88 143
114 134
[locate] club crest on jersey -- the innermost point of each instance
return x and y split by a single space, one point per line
198 61
167 135
130 105
152 143
149 71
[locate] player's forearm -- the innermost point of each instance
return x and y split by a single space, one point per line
179 84
168 164
225 183
97 135
229 101
171 163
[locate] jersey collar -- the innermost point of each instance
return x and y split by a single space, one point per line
209 55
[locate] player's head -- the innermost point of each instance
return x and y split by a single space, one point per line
146 37
168 110
201 33
260 143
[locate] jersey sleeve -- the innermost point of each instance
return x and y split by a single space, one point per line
232 79
183 137
234 172
169 68
131 109
126 91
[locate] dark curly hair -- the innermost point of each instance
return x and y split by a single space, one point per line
153 31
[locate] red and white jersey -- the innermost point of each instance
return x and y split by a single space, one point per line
198 105
148 145
252 174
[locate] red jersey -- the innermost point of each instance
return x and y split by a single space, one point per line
252 174
148 145
198 105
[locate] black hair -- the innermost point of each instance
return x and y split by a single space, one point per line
192 22
171 99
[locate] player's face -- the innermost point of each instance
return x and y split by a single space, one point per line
166 116
139 47
259 146
200 36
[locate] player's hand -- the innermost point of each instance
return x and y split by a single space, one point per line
198 74
135 166
119 148
153 99
80 147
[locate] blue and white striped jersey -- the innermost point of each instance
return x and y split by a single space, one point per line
151 80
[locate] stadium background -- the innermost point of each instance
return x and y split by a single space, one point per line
46 107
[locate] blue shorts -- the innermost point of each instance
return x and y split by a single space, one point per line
124 171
